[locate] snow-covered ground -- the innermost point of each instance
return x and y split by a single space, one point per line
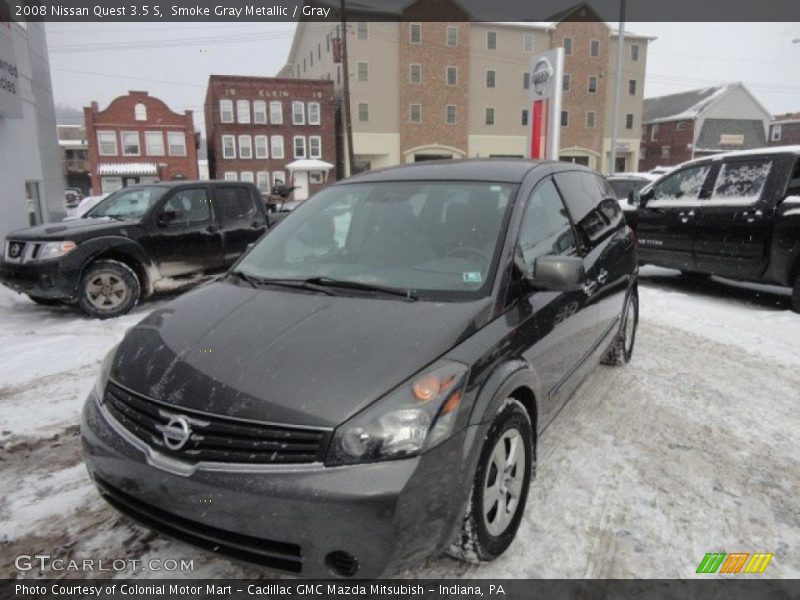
693 447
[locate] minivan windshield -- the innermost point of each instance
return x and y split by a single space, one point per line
130 203
428 236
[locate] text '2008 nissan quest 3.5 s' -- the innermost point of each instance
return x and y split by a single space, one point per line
365 386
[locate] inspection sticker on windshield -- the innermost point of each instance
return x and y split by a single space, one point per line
472 277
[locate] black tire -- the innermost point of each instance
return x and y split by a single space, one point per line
45 301
117 286
622 349
475 542
796 295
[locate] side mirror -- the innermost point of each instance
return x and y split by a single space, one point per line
634 198
558 273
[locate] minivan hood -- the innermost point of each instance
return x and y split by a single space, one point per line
285 356
75 229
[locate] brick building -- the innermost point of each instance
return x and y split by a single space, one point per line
680 127
138 139
785 130
457 87
259 127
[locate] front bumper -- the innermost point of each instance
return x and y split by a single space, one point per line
386 516
47 279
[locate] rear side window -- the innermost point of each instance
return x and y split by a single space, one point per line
594 210
546 229
190 206
236 203
741 182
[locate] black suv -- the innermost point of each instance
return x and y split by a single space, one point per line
138 241
736 215
366 386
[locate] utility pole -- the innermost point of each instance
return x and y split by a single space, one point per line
617 83
347 123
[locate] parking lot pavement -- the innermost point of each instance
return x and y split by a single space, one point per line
691 448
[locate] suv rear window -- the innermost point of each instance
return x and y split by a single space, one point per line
741 181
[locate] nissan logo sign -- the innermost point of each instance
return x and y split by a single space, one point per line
176 433
542 76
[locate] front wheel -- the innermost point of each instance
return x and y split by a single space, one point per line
108 289
622 349
500 488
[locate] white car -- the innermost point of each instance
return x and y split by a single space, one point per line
85 205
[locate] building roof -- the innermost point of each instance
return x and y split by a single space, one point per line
751 131
684 105
786 118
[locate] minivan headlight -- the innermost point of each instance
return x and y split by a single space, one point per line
415 416
55 249
104 374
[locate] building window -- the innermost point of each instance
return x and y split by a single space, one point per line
634 52
107 143
259 112
140 112
491 40
362 69
489 115
315 177
262 182
313 113
246 176
664 151
276 146
632 87
653 132
130 143
776 133
415 74
314 146
415 113
450 114
154 143
564 118
452 36
338 74
298 113
276 113
245 146
527 43
243 111
262 150
230 176
567 43
362 30
524 116
319 51
363 112
278 177
311 58
680 125
451 77
565 82
226 111
299 146
176 143
490 78
594 48
629 121
415 33
592 84
526 81
590 119
228 146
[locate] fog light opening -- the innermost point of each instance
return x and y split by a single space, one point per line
342 563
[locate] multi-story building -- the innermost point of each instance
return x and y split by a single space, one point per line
679 127
258 129
30 167
785 130
138 139
422 90
75 157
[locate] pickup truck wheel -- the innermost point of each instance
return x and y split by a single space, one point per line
500 488
622 349
796 295
45 301
108 289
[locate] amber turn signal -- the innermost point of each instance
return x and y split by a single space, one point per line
426 388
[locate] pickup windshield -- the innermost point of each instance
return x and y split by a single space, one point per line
432 237
130 203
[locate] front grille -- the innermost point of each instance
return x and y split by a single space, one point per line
214 438
278 555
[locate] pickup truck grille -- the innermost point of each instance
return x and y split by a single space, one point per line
209 438
21 252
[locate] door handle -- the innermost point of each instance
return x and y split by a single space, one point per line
686 216
603 276
589 287
751 216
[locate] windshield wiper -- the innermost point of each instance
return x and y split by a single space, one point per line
358 285
302 284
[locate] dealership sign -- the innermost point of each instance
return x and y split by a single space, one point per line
546 73
10 100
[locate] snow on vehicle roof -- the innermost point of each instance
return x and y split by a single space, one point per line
754 152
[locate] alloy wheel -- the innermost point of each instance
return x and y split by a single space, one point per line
503 485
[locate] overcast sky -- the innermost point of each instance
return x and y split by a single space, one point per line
99 61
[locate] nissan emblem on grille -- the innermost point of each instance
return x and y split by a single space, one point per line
176 433
14 250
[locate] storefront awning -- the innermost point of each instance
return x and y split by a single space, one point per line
127 169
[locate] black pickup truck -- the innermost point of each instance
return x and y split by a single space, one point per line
139 241
736 215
